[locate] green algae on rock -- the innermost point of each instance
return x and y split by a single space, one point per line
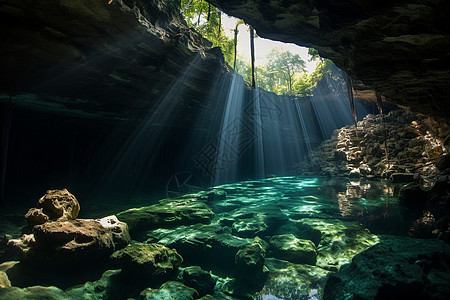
167 213
292 249
173 290
147 260
397 268
293 281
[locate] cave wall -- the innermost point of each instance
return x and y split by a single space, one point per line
399 48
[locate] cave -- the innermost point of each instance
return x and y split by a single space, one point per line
137 163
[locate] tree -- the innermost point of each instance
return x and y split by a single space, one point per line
206 19
285 65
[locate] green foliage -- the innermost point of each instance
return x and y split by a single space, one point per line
196 14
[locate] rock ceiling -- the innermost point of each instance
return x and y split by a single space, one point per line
100 59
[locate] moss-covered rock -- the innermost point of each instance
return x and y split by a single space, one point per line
147 260
168 213
340 241
290 248
172 290
396 268
293 281
198 279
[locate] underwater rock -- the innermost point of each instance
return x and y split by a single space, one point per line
35 216
198 279
292 249
202 245
59 205
402 177
207 297
261 221
168 213
293 281
119 230
396 268
33 293
147 260
251 274
173 290
340 241
107 287
212 195
4 281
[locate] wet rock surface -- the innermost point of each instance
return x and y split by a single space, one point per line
198 279
404 147
147 260
168 213
398 267
170 290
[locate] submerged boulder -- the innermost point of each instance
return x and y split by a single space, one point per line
198 279
396 268
173 290
168 213
290 248
147 260
293 281
251 273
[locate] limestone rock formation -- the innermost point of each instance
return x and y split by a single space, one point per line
251 273
170 290
55 205
292 249
198 279
147 260
293 281
119 230
412 143
168 213
398 267
395 47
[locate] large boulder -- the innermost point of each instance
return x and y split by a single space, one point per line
72 241
167 213
290 248
397 268
147 260
251 273
339 240
443 162
293 281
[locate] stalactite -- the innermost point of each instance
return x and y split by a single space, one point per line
252 51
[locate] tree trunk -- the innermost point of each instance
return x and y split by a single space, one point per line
236 31
252 51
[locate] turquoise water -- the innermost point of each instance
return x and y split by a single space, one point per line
337 217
